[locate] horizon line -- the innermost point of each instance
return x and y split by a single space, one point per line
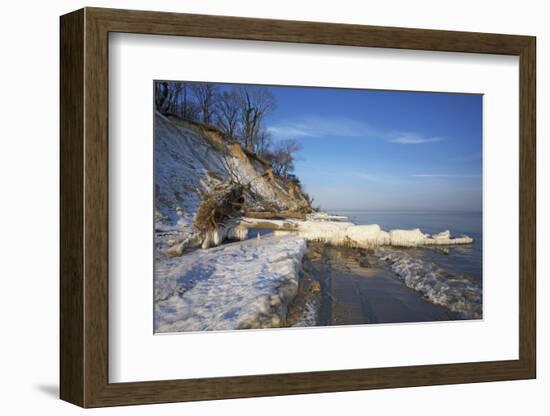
400 210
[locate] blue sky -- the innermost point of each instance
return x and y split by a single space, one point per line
384 150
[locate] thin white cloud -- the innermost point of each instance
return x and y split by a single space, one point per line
380 178
443 175
289 132
413 138
318 127
434 175
314 126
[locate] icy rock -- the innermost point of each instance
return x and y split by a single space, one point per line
175 250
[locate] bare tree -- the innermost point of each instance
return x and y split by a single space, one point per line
162 95
228 111
282 157
255 103
188 108
185 107
263 142
205 95
175 91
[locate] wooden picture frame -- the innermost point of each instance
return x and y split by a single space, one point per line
84 207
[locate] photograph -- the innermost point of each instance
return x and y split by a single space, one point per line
288 206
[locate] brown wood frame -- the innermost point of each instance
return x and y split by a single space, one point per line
84 207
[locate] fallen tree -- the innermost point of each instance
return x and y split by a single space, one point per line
275 214
218 212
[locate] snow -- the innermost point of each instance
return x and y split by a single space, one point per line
241 285
185 164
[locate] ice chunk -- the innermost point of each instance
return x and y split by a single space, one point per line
442 235
238 233
407 238
368 235
323 216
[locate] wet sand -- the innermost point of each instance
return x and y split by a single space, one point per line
356 289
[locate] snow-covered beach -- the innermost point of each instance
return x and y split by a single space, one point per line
240 285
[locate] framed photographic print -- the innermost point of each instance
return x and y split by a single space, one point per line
256 207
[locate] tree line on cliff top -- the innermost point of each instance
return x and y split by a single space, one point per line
239 112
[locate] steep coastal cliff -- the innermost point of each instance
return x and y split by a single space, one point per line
199 171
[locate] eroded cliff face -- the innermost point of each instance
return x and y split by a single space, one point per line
191 162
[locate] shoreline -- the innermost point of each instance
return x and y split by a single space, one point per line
349 286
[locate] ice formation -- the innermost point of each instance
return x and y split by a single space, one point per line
346 233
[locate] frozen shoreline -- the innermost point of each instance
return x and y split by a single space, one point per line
356 288
251 283
438 285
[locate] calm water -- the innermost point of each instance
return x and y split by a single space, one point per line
466 259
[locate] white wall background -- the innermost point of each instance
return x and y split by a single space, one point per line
29 212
